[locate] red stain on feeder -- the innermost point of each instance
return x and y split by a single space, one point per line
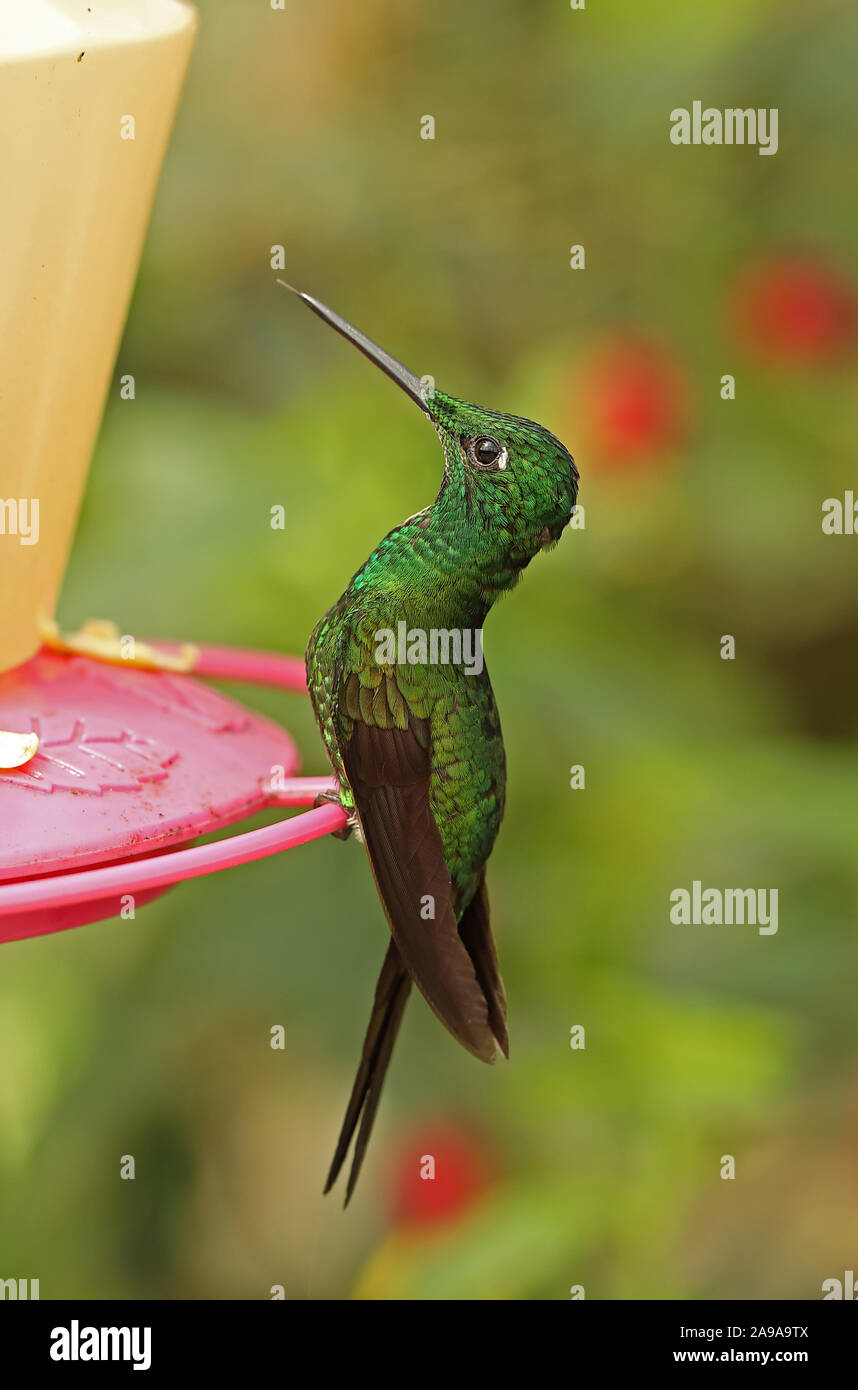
794 310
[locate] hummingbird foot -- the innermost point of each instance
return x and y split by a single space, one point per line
335 799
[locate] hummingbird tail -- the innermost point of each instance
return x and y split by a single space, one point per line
391 994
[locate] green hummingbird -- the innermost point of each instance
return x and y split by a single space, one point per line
411 726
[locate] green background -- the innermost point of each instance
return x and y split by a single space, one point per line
151 1037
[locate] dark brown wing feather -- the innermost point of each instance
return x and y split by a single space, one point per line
389 773
476 932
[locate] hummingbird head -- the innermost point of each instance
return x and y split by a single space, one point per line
505 476
509 486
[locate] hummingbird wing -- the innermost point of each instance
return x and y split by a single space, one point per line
388 770
476 932
391 996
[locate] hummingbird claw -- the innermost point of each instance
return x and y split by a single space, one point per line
334 798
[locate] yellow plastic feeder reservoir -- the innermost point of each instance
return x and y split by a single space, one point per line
88 93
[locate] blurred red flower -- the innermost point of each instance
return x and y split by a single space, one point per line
794 310
632 402
438 1173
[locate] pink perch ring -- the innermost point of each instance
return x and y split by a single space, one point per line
131 763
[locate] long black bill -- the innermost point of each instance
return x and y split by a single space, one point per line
410 383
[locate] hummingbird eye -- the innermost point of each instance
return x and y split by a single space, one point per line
487 452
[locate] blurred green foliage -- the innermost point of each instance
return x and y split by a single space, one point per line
151 1037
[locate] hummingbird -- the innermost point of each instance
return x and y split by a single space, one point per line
416 744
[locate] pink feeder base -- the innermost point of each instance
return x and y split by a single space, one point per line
130 764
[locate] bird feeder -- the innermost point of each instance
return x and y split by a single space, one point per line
115 754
